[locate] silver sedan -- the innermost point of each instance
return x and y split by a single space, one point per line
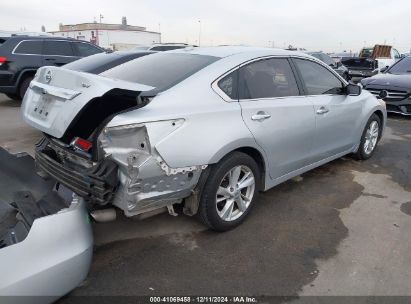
202 128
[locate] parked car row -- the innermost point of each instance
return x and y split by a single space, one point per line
21 56
371 61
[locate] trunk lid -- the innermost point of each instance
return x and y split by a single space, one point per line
56 96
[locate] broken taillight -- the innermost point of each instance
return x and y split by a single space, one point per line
81 144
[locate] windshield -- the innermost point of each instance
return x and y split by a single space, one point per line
401 67
161 70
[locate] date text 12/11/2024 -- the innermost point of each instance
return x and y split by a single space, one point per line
203 299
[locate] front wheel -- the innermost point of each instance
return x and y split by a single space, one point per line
370 137
229 192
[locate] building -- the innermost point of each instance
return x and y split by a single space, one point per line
113 36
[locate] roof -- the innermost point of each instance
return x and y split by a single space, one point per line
27 37
225 51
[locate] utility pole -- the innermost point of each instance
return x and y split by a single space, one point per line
159 30
199 34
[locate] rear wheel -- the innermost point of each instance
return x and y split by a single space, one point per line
13 96
229 192
24 86
369 138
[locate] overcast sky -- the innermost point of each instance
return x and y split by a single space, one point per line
326 25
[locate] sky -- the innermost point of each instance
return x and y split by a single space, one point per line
326 25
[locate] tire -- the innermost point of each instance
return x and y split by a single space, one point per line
368 137
218 216
13 96
24 86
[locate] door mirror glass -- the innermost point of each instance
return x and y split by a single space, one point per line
353 90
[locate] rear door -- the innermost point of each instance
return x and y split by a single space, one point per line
58 52
282 121
336 113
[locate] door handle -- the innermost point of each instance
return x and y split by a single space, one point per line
322 110
50 59
260 116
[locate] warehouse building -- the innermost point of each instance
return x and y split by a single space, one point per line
112 36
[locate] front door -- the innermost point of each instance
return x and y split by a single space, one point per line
281 120
336 113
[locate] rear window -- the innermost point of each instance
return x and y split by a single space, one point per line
101 62
2 40
33 47
161 70
167 48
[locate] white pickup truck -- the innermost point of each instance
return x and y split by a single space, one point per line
371 61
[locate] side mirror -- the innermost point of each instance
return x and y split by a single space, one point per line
339 64
353 90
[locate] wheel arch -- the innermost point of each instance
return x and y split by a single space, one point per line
381 117
254 153
23 75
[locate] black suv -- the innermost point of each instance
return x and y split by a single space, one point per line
21 56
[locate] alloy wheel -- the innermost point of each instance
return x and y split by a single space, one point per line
371 137
235 193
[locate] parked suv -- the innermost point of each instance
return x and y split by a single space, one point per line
21 56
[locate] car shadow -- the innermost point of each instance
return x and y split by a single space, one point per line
10 103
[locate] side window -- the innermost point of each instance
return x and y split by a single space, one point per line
267 78
58 48
86 49
396 54
317 79
229 85
328 60
33 47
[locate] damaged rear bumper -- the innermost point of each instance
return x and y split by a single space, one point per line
95 181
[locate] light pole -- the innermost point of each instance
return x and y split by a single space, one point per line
199 34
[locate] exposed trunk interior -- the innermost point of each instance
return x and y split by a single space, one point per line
99 111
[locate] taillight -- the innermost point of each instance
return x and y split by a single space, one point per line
2 60
81 144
